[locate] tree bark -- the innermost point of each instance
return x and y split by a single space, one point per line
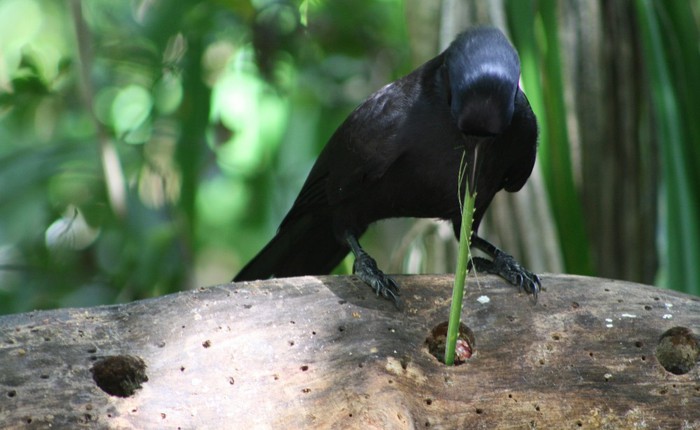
324 352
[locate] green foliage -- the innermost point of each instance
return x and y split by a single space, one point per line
673 61
542 81
150 147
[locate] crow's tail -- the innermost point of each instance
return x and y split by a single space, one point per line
305 246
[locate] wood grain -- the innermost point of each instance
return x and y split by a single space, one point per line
323 352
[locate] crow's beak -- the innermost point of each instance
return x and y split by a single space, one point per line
475 164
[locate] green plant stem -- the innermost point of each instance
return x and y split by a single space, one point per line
463 257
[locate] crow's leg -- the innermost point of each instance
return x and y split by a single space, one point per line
366 269
505 266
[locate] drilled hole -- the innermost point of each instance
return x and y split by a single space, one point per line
678 350
437 340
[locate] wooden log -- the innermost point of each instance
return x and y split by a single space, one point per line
323 352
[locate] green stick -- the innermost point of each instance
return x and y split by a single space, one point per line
463 257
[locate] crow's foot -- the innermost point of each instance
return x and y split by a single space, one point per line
507 268
366 269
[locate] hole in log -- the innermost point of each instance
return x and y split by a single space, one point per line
206 343
428 402
678 350
465 343
647 307
304 368
638 344
119 375
11 393
479 411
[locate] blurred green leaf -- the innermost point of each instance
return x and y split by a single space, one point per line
541 75
681 194
130 109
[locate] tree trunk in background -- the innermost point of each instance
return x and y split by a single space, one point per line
610 125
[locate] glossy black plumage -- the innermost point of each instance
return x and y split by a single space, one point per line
398 155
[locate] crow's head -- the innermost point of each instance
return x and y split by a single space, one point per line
482 71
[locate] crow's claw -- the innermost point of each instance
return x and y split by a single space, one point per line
507 268
366 269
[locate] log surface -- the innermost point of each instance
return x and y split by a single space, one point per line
323 352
